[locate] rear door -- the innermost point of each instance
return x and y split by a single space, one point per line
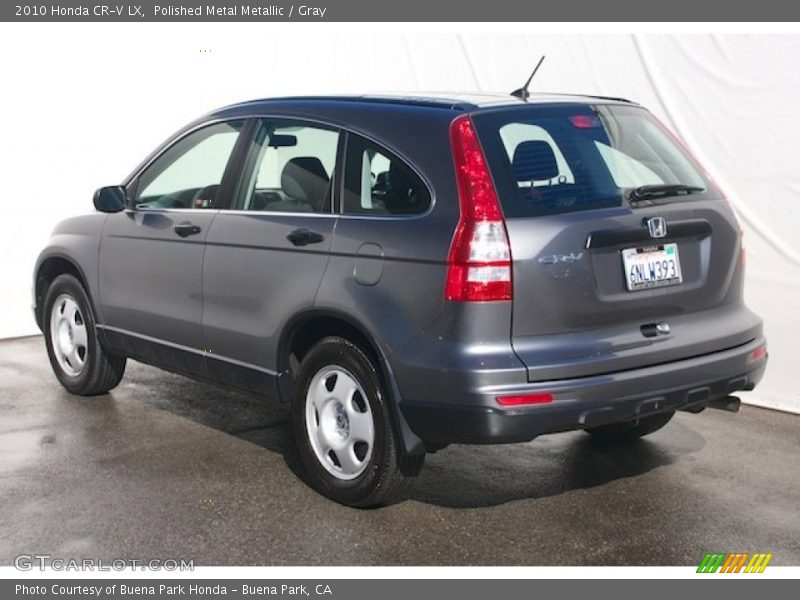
605 278
266 253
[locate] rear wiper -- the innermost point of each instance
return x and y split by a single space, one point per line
648 192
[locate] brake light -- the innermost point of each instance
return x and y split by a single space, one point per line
585 121
523 399
479 261
758 353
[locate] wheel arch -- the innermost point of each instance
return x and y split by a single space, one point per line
47 269
307 328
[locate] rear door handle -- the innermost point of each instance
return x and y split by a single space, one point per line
304 237
187 229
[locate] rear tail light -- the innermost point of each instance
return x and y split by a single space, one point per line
525 399
479 262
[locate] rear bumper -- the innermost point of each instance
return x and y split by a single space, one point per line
588 401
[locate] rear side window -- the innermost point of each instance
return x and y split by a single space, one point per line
560 158
376 182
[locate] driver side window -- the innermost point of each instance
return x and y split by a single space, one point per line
189 174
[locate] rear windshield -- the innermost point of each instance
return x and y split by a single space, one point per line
551 159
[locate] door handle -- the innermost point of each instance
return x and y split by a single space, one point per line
303 237
187 229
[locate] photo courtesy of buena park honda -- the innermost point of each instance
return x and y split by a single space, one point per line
383 294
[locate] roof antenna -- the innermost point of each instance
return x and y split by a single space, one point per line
523 93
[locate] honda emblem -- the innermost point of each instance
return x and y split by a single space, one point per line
657 226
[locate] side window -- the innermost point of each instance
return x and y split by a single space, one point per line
378 183
188 174
291 169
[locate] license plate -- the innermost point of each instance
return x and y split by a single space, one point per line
651 267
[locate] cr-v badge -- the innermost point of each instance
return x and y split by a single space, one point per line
561 258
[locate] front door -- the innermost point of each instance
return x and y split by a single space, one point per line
152 253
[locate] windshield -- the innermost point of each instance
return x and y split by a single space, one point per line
559 158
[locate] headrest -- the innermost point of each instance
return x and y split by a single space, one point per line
400 180
304 178
534 160
402 195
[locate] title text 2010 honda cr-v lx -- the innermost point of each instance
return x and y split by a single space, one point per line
411 272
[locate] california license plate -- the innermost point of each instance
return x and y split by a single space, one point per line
651 267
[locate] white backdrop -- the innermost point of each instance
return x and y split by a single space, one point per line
84 104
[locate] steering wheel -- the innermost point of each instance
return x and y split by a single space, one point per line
205 196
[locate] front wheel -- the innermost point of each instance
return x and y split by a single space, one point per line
343 429
79 362
631 430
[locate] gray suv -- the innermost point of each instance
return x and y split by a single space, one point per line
405 273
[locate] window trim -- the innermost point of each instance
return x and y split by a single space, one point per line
132 183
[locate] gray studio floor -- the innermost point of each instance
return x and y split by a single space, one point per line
169 468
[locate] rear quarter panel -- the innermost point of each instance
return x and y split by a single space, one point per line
388 272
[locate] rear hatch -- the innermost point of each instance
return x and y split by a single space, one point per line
625 254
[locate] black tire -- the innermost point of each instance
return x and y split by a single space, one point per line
630 430
101 371
389 470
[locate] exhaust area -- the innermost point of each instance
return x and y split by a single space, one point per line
729 403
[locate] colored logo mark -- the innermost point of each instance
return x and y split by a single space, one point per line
737 562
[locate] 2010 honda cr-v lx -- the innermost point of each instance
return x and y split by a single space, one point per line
411 272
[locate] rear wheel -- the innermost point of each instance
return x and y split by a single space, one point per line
79 362
343 429
631 430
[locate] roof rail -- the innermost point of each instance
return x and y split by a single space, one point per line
599 97
446 103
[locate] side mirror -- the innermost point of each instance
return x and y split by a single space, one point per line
110 199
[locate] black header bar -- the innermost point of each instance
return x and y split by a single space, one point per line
401 11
